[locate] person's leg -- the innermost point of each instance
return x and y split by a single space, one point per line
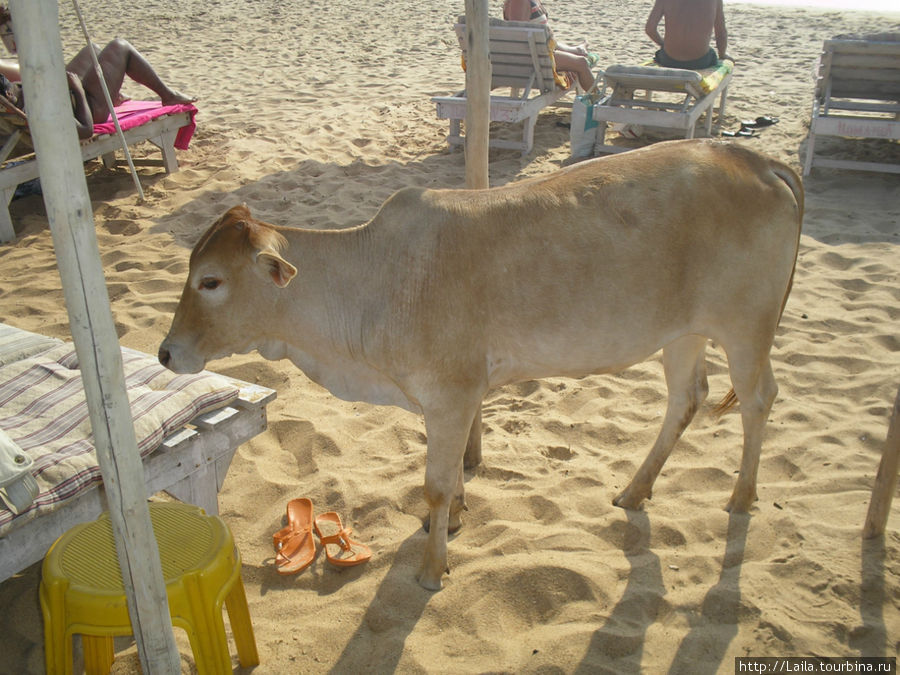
566 62
81 63
118 59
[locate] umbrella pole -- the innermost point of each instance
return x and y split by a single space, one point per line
478 94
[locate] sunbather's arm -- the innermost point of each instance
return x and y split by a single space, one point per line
652 26
84 121
721 33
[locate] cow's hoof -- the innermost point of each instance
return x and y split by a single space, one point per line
428 582
629 500
740 504
426 525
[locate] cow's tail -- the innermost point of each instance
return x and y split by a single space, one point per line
793 181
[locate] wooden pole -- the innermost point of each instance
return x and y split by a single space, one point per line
478 94
78 258
886 479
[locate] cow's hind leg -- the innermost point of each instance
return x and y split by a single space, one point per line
684 361
472 457
447 426
754 385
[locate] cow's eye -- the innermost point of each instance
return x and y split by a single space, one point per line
210 283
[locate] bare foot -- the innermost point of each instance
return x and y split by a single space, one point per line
177 97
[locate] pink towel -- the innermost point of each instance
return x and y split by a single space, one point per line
135 113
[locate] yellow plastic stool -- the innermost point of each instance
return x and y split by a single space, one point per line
81 590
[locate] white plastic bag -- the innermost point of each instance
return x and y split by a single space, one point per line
582 127
17 486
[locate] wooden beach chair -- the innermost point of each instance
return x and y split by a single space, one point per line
167 127
657 98
521 55
188 428
857 95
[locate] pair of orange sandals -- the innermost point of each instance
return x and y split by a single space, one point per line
296 549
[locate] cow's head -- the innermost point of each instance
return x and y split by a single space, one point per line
228 299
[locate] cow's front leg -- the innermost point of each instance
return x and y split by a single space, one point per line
442 480
457 506
447 432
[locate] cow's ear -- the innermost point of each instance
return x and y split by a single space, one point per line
273 266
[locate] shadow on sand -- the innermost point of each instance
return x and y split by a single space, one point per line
618 646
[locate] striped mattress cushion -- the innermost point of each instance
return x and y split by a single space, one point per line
44 411
17 344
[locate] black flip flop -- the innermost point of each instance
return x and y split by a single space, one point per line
760 122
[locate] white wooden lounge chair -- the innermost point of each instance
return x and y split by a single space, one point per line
521 59
162 131
672 99
188 429
857 96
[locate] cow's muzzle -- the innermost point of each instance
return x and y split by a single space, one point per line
178 360
164 356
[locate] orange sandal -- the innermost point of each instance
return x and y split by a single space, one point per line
294 545
348 552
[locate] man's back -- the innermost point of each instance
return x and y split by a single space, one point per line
689 24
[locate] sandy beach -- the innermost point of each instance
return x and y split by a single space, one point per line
314 114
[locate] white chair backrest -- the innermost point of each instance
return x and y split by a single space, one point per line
860 68
519 53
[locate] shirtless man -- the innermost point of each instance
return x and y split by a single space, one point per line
689 26
117 59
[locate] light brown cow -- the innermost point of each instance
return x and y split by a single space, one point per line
445 294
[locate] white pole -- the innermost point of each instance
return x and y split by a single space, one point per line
71 223
478 94
112 112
